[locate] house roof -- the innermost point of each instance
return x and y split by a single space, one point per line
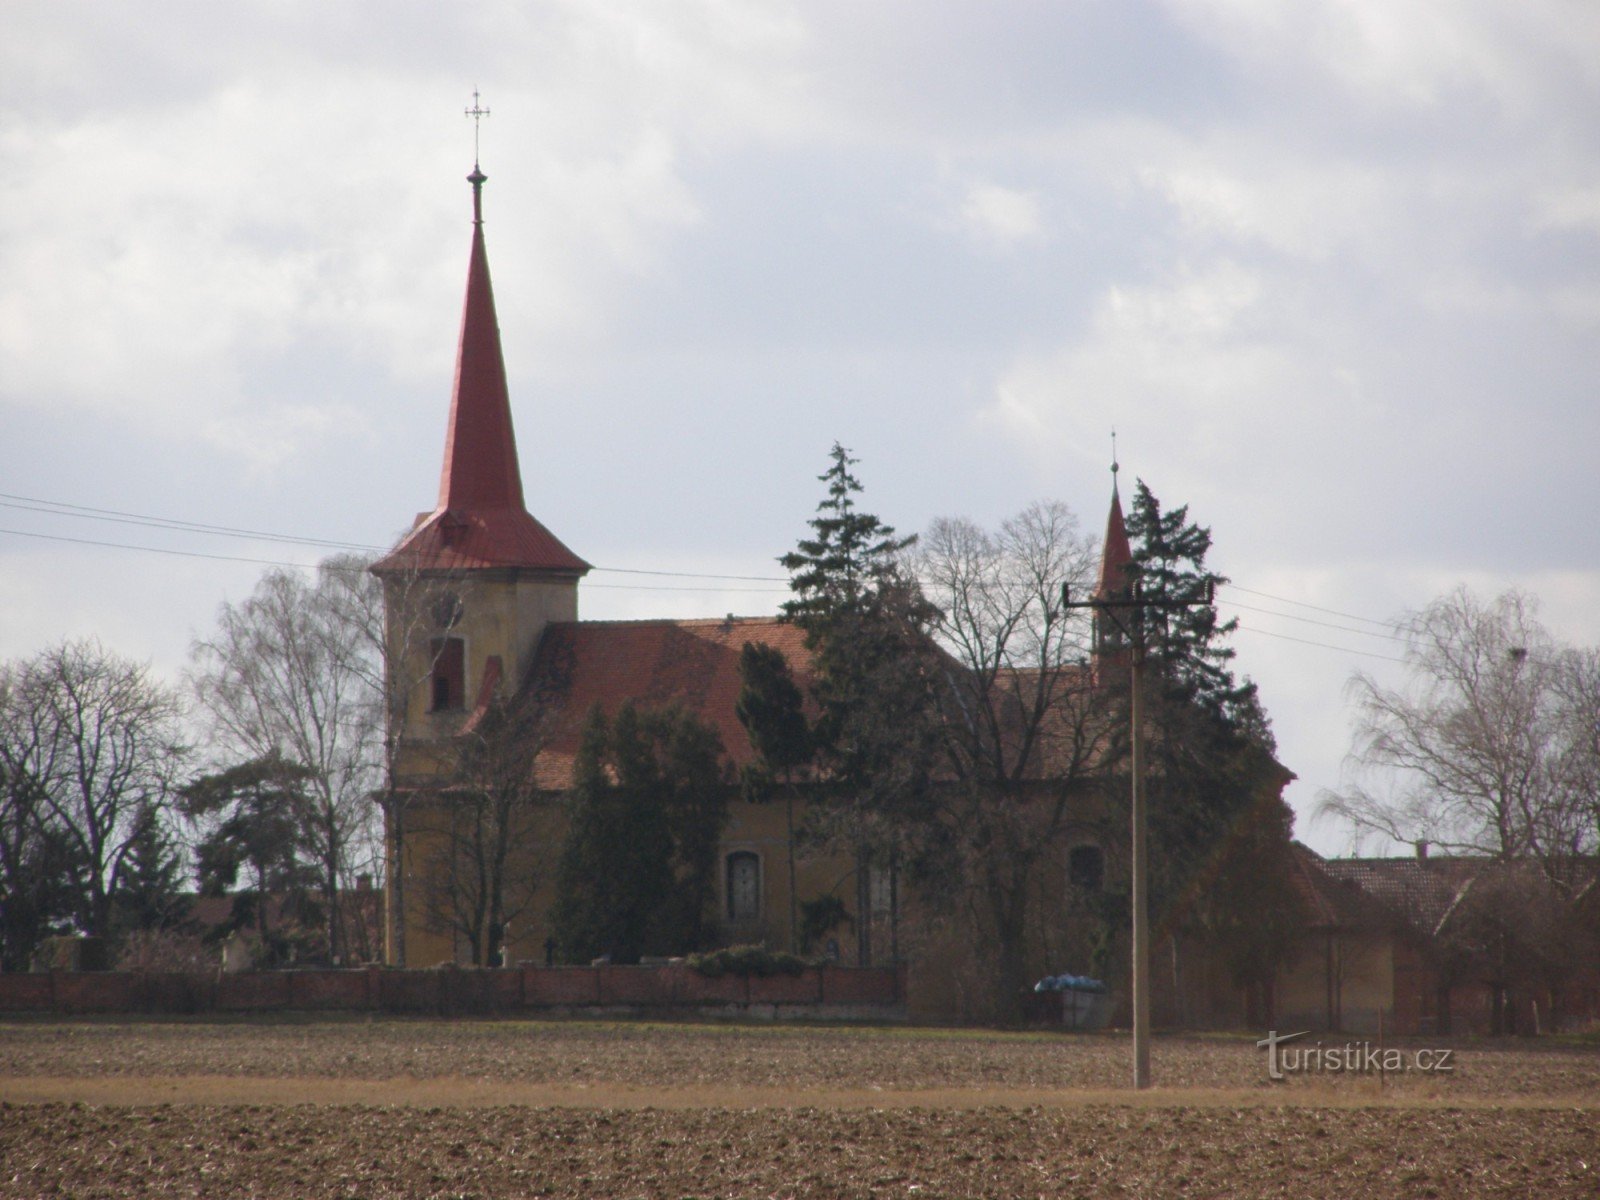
1332 902
1420 892
481 521
692 663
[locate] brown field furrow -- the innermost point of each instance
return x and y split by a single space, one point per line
277 1151
305 1107
595 1054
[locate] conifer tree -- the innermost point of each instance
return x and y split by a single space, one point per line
1219 828
149 893
638 871
1186 646
252 847
866 624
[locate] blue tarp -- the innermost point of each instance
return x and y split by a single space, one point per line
1069 983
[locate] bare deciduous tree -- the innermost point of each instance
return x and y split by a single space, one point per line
1024 724
1475 753
290 672
488 855
1489 750
90 751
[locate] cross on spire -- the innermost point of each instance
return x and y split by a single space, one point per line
477 112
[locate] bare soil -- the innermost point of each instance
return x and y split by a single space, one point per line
415 1108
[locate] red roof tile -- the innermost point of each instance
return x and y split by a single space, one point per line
692 663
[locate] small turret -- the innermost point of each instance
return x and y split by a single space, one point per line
1115 582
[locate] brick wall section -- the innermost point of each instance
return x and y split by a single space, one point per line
804 988
855 985
704 989
448 991
257 990
559 986
26 993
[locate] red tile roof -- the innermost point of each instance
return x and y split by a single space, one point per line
1330 901
693 663
1422 892
481 520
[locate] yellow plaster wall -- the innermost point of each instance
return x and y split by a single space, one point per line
760 828
503 613
1358 968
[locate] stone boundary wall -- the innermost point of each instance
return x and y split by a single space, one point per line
817 992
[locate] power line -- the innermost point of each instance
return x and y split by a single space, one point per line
59 508
1333 612
1394 637
1284 637
272 562
121 516
61 537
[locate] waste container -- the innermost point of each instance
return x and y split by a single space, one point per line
1084 1002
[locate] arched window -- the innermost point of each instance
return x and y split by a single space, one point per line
447 687
744 886
1086 868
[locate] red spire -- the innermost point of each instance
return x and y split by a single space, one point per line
1116 555
480 520
480 449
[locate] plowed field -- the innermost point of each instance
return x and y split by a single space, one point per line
570 1109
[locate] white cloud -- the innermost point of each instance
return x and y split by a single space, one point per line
1001 215
1416 55
1180 359
1568 207
163 259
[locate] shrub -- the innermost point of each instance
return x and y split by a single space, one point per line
746 960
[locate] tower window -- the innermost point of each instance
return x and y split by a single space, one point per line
448 681
1086 868
744 886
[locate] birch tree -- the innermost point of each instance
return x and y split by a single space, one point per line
289 674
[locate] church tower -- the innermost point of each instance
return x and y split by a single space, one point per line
1111 648
469 591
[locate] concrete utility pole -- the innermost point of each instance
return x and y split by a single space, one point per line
1134 630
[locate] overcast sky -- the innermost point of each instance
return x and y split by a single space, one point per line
1332 271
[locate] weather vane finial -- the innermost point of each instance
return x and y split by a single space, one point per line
1114 467
477 112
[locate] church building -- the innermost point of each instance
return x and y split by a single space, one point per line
482 616
481 604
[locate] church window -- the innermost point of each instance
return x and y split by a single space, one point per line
1086 868
881 884
448 686
744 886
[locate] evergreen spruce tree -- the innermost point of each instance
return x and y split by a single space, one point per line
149 892
1219 829
1185 646
866 624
